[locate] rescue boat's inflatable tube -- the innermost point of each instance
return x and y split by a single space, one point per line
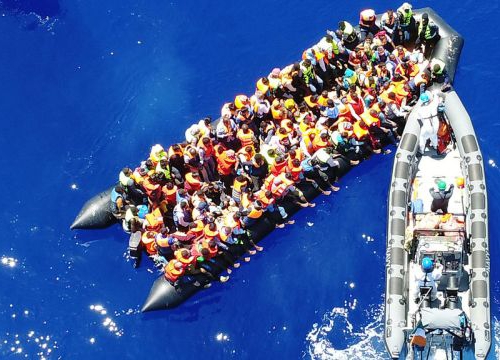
96 213
448 50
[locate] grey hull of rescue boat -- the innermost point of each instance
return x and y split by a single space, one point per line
396 295
96 213
164 295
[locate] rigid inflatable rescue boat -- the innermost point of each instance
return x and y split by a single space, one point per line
427 316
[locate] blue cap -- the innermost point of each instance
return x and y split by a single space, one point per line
349 73
427 264
424 97
143 211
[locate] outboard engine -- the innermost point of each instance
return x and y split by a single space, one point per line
135 248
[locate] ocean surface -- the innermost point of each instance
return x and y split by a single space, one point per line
86 87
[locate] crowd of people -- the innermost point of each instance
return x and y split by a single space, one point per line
346 98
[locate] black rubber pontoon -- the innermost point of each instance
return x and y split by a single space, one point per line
96 213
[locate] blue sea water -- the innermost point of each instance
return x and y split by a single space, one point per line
86 87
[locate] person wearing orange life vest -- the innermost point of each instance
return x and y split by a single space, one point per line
245 158
205 251
164 244
241 101
148 240
185 257
275 213
240 184
378 130
213 234
153 221
321 141
357 57
283 185
226 165
401 53
152 189
246 136
295 169
278 166
173 271
360 140
192 182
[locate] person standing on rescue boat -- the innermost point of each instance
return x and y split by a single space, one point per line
428 35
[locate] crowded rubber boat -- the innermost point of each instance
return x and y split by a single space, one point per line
199 208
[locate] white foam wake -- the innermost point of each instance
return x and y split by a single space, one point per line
367 343
496 337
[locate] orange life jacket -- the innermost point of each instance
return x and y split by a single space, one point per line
192 183
248 156
240 101
185 261
209 150
172 152
318 143
261 196
280 185
239 185
295 171
358 131
254 213
276 169
155 220
245 138
298 155
170 194
413 69
209 234
212 251
171 273
310 102
225 165
369 119
262 87
148 239
323 101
